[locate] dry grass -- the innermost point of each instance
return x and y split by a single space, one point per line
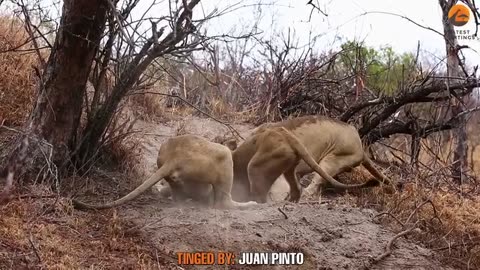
152 105
436 151
121 149
449 222
46 233
122 155
17 79
148 106
449 218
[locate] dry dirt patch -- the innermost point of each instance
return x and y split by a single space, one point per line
146 233
331 236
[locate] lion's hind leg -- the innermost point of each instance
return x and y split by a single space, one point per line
291 177
265 167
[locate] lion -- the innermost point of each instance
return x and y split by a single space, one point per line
329 148
180 191
284 143
193 167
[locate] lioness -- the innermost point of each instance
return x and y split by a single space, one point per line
334 145
275 145
192 166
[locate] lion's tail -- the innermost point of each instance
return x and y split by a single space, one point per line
152 180
370 166
307 157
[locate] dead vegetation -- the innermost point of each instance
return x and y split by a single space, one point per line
17 77
436 217
43 232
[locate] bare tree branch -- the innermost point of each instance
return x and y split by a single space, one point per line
417 93
408 128
315 6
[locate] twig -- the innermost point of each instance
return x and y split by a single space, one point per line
35 250
28 28
388 248
403 17
14 164
390 215
144 226
281 211
315 202
32 137
463 245
113 9
420 206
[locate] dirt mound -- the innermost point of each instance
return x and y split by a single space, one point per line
330 236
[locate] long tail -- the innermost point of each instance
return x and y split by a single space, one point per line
370 166
152 180
307 157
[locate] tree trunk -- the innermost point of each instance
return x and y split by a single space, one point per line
56 116
460 161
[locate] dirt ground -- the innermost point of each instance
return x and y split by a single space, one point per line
46 233
332 235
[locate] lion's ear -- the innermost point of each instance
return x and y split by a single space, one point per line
231 144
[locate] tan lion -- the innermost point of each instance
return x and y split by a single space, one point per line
193 167
272 151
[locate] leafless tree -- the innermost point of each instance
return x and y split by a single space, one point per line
456 71
94 38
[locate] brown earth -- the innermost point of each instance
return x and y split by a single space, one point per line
45 233
331 235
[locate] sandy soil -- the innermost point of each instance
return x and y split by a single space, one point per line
330 234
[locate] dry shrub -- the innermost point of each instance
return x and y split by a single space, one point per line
449 221
121 148
219 108
17 81
123 155
178 112
197 93
148 106
152 107
45 233
181 128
